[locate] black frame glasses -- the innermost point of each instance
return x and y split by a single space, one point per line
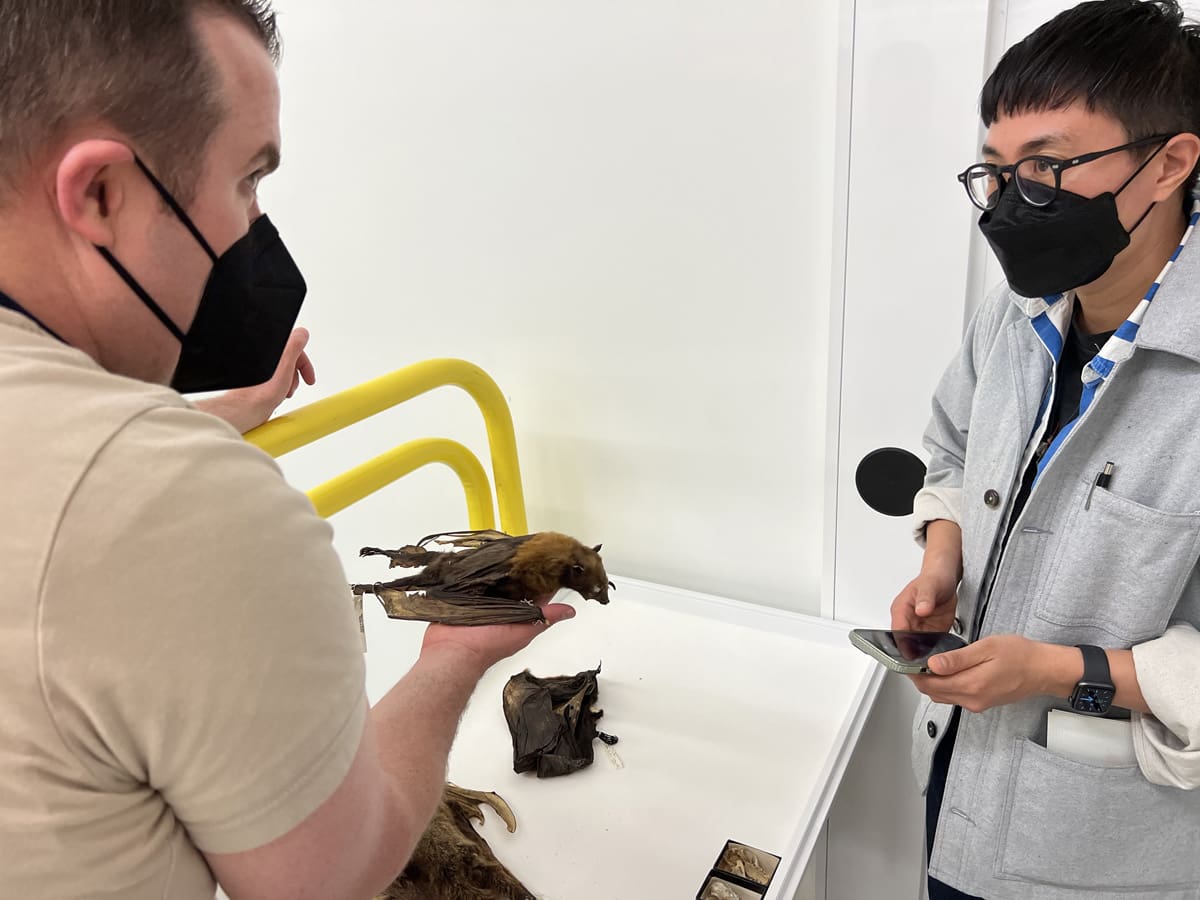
1036 191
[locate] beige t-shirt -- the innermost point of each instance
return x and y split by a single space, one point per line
179 660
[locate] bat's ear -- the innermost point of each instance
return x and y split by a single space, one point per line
598 547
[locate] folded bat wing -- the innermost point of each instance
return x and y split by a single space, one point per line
450 608
552 722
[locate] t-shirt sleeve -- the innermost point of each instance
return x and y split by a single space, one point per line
197 633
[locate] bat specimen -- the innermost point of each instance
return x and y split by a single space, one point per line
744 862
552 722
452 862
718 890
487 577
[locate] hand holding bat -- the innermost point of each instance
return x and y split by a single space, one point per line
491 643
487 577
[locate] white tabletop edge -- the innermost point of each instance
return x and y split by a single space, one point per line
815 814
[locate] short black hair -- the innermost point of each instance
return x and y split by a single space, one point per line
1137 61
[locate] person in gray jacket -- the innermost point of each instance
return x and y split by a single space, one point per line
1060 750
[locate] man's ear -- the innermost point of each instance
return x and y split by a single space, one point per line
88 188
1178 161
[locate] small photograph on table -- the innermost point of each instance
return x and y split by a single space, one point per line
717 888
748 863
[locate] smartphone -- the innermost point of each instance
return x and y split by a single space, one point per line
906 652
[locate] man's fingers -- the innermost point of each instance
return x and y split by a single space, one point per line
292 351
305 367
558 612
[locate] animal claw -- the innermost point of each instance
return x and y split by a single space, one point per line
476 799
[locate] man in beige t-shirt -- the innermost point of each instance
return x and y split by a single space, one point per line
183 697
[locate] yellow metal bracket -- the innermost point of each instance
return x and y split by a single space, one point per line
317 420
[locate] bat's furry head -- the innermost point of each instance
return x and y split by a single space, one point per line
568 562
585 573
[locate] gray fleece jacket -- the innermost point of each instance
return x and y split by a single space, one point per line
1120 571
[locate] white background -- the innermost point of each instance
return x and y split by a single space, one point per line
619 210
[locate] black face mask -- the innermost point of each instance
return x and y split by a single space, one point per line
246 313
1046 250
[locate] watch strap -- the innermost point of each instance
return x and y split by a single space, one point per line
1095 665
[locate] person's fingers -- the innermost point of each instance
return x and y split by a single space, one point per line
955 661
290 357
305 367
902 610
926 684
925 603
295 384
937 688
558 612
905 621
909 647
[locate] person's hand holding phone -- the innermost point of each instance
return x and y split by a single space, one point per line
995 671
929 601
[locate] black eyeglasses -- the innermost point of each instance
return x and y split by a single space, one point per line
1038 178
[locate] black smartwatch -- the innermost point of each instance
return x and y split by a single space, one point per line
1095 691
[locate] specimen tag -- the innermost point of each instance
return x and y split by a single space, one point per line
362 629
613 756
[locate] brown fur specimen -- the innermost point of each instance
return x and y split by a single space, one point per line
491 578
452 862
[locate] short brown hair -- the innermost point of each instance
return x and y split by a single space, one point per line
136 65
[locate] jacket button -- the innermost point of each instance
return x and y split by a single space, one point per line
931 728
992 499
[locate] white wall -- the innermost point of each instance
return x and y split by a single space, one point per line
621 211
917 69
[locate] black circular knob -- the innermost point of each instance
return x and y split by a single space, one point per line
888 479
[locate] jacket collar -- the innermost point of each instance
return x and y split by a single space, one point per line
1172 322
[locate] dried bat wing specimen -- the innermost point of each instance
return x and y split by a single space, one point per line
487 577
452 609
552 722
452 862
417 555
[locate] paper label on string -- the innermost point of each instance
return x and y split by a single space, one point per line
362 628
614 757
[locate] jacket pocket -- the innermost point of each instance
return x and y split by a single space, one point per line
1119 567
1073 825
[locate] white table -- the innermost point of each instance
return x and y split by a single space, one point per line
735 721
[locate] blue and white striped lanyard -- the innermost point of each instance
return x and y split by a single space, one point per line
1052 330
